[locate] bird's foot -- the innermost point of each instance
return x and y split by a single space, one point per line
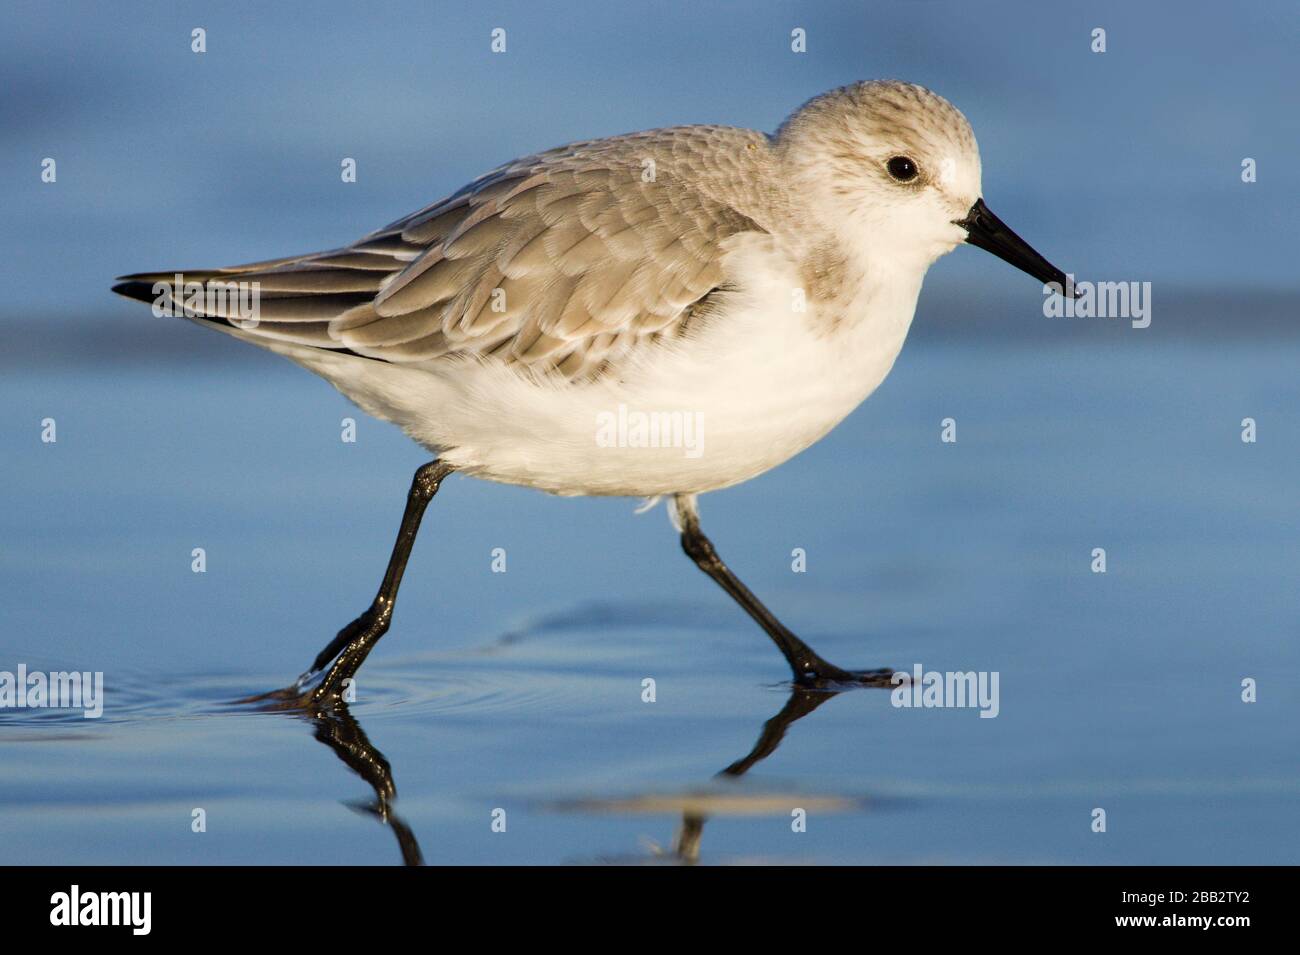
816 673
309 693
300 695
286 698
348 650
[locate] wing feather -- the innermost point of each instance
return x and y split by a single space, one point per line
561 262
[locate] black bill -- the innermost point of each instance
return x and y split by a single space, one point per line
988 232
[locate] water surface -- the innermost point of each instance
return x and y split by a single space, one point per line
522 691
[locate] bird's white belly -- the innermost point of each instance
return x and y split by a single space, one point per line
719 409
756 386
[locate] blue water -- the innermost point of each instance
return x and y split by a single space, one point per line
522 691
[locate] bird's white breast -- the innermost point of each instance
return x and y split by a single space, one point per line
760 381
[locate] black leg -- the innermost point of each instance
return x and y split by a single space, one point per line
355 641
808 668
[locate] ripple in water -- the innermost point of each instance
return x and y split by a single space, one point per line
491 679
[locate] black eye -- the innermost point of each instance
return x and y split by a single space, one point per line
902 168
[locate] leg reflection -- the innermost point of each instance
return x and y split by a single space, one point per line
802 701
336 728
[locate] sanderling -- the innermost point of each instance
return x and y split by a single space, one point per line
757 287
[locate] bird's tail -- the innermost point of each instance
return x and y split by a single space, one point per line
289 300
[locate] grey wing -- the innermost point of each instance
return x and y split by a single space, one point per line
559 262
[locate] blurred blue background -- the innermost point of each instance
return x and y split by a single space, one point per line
523 689
1122 165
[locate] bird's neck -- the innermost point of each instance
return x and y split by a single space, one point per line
846 275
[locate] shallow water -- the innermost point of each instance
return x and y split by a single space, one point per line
522 690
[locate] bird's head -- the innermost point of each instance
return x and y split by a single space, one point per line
894 170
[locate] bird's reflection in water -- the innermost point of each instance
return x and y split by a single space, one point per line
338 729
696 808
686 844
334 725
